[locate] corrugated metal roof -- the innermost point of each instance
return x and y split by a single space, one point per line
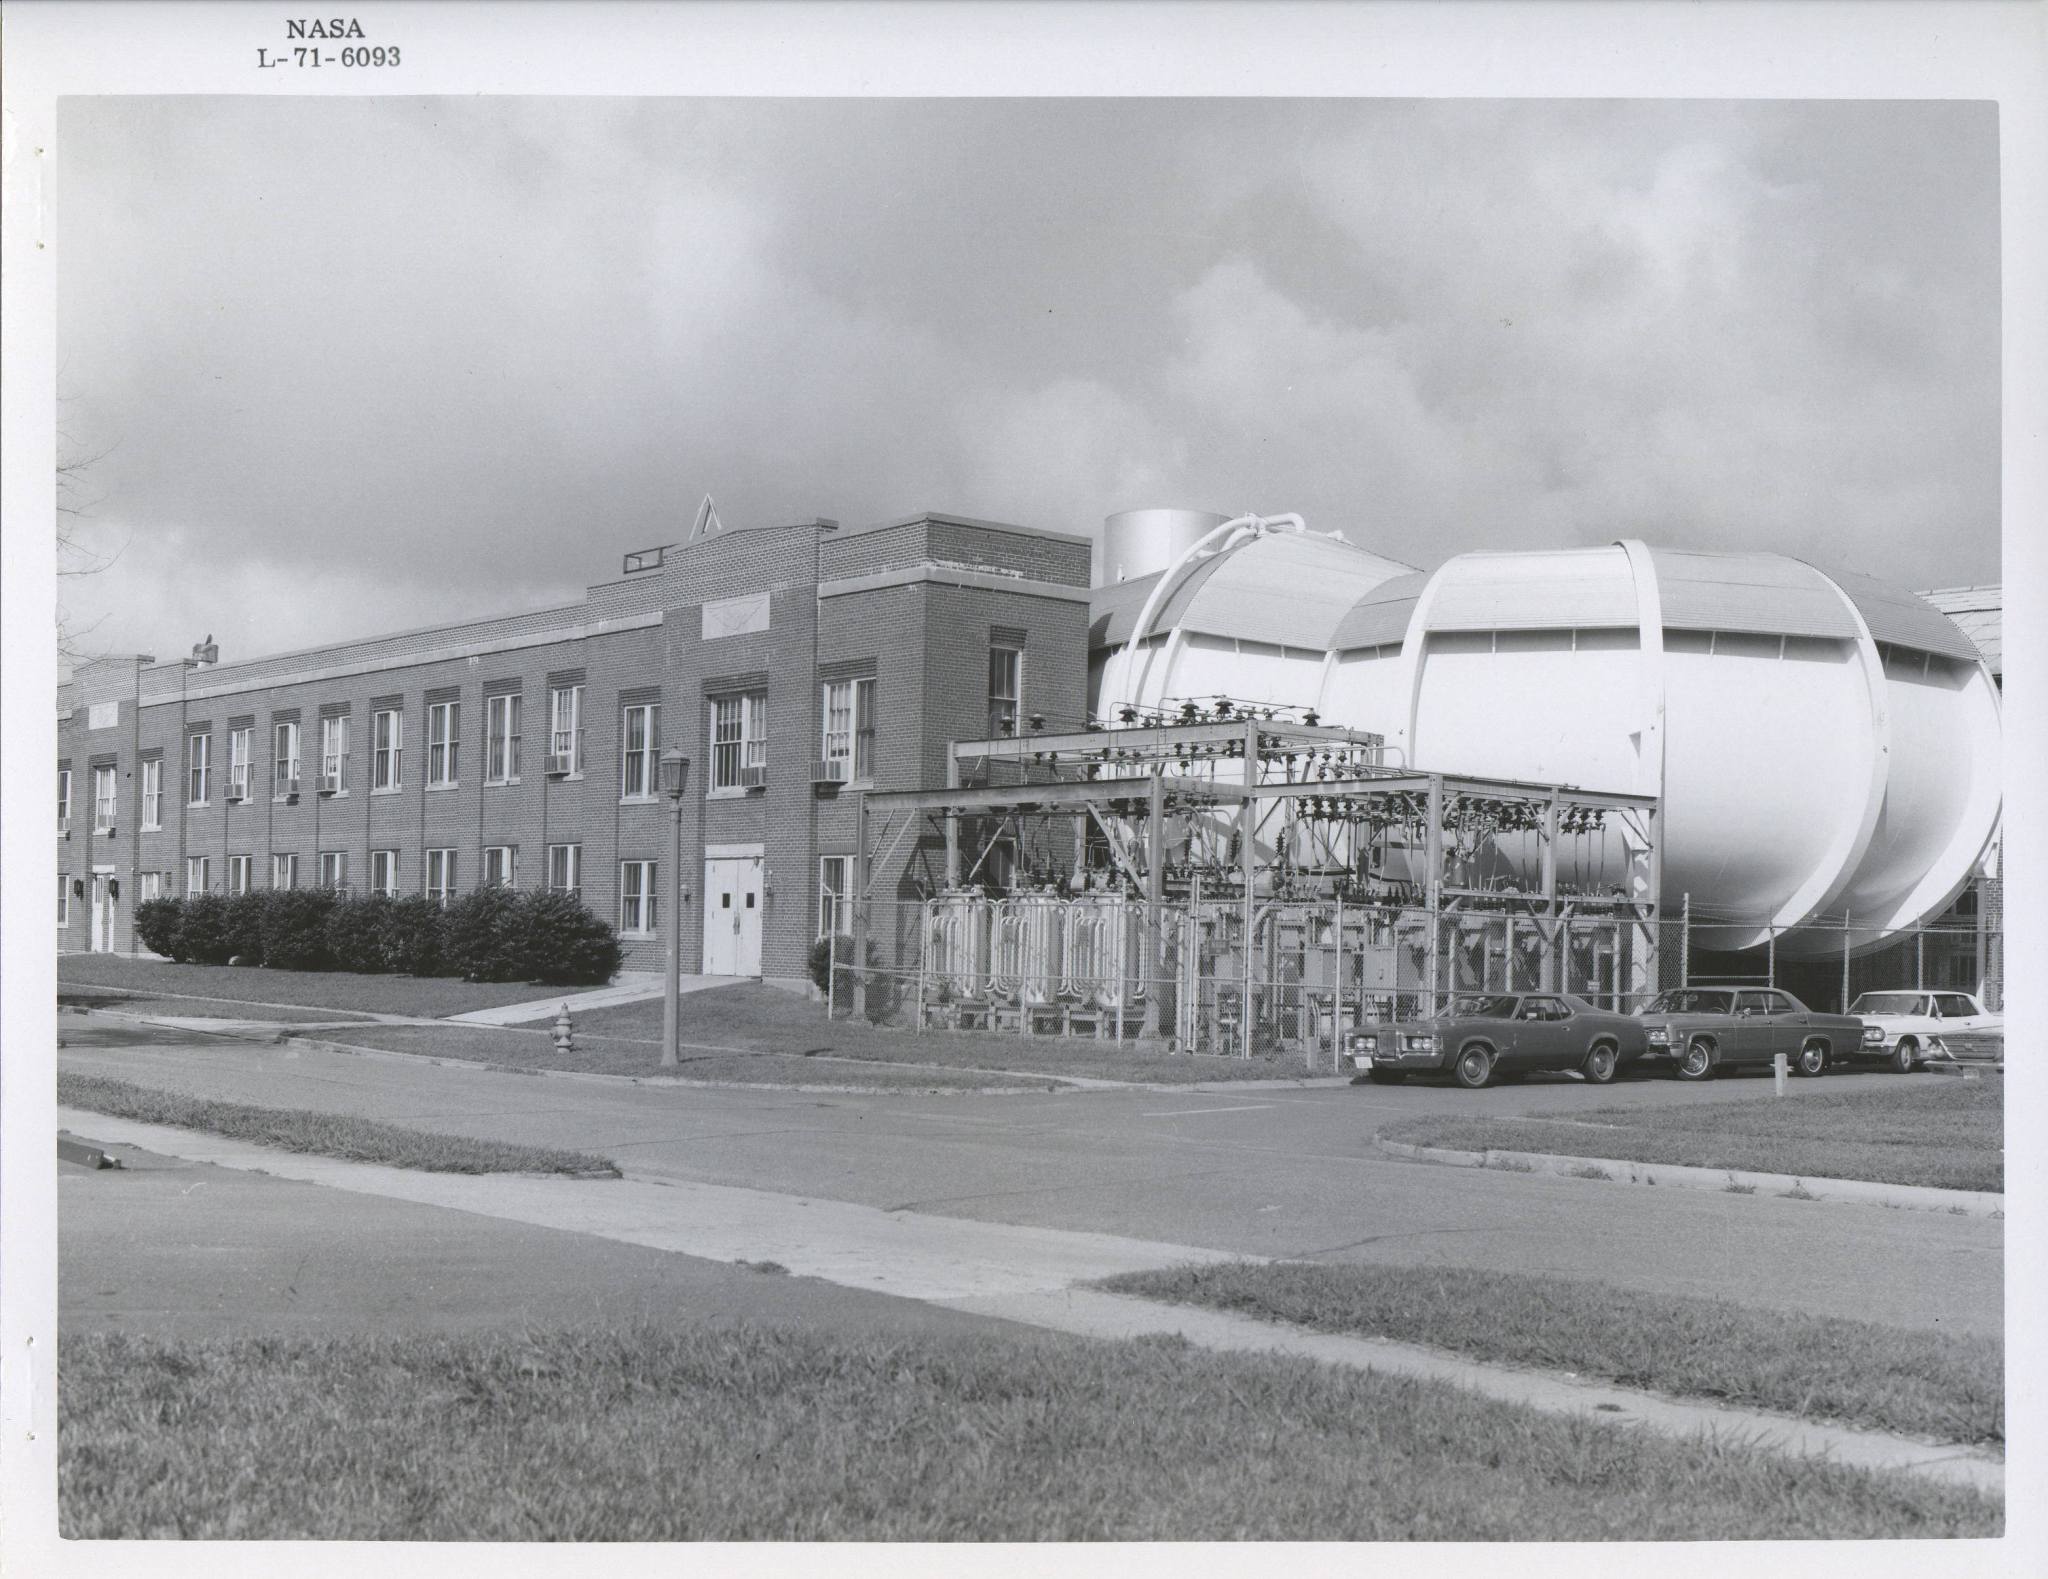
1904 619
1286 589
1380 618
1765 594
1559 589
1979 612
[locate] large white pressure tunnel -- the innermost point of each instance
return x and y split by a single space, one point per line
1827 748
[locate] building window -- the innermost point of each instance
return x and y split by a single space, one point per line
640 742
441 876
444 727
239 873
153 793
105 799
565 868
1005 689
151 886
241 749
565 729
63 899
850 729
739 741
832 895
199 768
334 756
636 898
501 739
63 800
284 871
501 866
387 746
198 873
334 869
285 760
384 873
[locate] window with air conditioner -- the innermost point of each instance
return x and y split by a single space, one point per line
387 749
284 759
565 730
739 741
847 753
501 739
105 799
241 752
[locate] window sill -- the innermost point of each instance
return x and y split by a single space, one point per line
389 789
640 937
729 792
639 800
501 783
197 805
438 789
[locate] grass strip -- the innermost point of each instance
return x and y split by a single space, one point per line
1946 1133
127 1001
322 1134
254 986
1950 1387
738 1433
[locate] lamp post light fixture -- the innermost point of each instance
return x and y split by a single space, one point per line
675 780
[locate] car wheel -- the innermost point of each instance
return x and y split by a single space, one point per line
1599 1065
1696 1062
1386 1077
1474 1068
1812 1060
1906 1056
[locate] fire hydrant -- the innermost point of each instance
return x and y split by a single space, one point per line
565 1032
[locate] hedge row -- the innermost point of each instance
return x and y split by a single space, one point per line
492 934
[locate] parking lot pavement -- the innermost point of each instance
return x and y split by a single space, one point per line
1272 1172
167 1248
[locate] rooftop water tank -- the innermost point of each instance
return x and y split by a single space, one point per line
1139 542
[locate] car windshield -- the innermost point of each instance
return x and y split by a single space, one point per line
1889 1003
1484 1007
1690 1000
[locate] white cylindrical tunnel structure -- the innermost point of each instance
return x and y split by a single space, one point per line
1827 749
1144 542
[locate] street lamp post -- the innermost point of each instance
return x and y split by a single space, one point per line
675 779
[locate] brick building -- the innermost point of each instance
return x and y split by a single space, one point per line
794 665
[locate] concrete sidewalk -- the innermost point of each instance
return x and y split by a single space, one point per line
1022 1274
629 986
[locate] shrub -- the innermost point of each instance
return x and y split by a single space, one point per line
295 928
415 933
565 944
485 941
245 927
158 923
204 936
881 988
358 934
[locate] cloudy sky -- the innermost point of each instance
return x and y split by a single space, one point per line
340 365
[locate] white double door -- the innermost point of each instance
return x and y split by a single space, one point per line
732 915
103 912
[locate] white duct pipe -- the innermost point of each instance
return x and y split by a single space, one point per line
1249 525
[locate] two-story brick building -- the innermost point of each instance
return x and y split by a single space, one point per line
793 665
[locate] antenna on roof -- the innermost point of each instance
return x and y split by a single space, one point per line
707 523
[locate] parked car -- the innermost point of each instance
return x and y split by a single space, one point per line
1701 1030
1481 1037
1912 1023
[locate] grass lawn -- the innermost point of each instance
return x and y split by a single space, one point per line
248 985
1951 1387
324 1134
747 1434
766 1019
1947 1133
130 1002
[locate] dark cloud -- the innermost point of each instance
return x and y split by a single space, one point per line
376 362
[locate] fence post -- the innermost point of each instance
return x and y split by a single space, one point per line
1155 896
1845 962
1771 954
1685 940
1920 960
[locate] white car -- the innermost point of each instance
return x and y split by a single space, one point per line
1913 1023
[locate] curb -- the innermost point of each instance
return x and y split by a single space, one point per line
86 1156
1729 1181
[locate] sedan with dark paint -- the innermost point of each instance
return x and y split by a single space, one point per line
1702 1030
1481 1037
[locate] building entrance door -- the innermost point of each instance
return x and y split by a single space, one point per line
732 915
102 913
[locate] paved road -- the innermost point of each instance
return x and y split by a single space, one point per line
1283 1172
